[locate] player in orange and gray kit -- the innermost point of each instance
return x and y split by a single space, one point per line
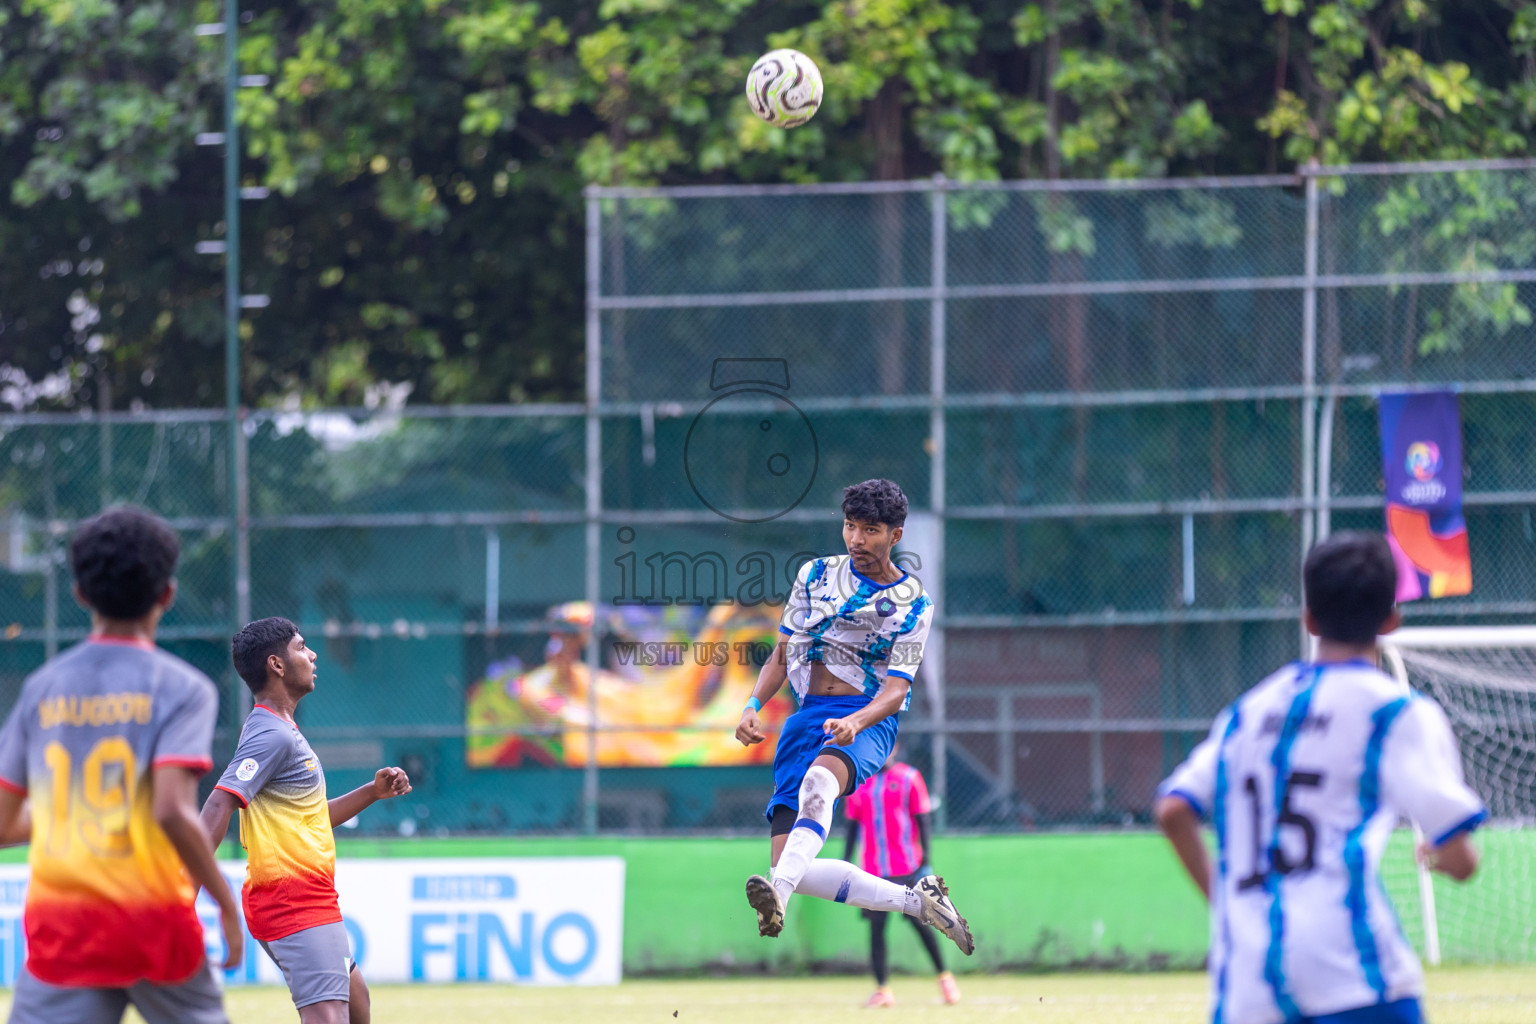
106 744
276 783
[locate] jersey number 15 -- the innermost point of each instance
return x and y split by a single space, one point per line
1282 863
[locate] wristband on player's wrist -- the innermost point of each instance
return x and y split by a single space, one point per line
753 704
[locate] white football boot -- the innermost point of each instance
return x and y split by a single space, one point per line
939 912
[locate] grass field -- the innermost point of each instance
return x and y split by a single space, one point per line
1456 996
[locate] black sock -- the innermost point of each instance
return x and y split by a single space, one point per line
930 943
878 957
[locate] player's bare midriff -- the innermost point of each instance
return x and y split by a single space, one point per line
824 684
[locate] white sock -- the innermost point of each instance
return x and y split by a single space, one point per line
841 882
818 792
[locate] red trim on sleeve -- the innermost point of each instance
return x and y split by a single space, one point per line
197 764
11 787
243 801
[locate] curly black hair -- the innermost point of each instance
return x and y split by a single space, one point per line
1350 581
258 641
123 559
875 501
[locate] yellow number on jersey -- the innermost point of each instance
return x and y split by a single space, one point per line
105 798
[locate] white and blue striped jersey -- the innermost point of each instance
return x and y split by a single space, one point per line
860 630
1304 779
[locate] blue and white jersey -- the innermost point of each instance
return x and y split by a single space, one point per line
1304 779
860 630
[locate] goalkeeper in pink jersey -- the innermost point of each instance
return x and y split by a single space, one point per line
888 816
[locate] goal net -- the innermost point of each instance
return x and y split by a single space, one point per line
1485 679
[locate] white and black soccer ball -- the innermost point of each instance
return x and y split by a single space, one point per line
784 88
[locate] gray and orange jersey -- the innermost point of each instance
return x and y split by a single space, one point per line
90 727
285 827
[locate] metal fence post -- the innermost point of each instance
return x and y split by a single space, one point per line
594 488
1308 383
241 539
104 403
1325 465
492 580
52 556
934 662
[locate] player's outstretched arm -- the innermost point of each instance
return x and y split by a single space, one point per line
175 811
387 783
893 693
770 680
15 818
923 821
1181 824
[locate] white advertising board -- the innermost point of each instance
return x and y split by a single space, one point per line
533 921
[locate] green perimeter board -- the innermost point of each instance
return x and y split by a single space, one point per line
1032 901
1035 901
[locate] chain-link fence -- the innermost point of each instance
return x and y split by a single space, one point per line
1121 411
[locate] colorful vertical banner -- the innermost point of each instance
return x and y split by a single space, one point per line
1421 462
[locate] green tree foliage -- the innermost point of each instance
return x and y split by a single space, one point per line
426 157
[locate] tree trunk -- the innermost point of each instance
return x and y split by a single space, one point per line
612 342
1282 55
616 379
1052 113
1068 315
885 135
1068 319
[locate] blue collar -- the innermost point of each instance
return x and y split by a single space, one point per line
866 579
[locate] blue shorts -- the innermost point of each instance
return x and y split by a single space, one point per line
802 741
1399 1011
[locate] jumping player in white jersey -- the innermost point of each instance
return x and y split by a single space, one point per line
850 642
1303 779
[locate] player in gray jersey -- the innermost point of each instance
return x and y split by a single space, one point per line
277 785
106 743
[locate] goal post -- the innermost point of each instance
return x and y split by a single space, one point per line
1484 677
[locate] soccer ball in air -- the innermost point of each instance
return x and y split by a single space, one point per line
784 88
